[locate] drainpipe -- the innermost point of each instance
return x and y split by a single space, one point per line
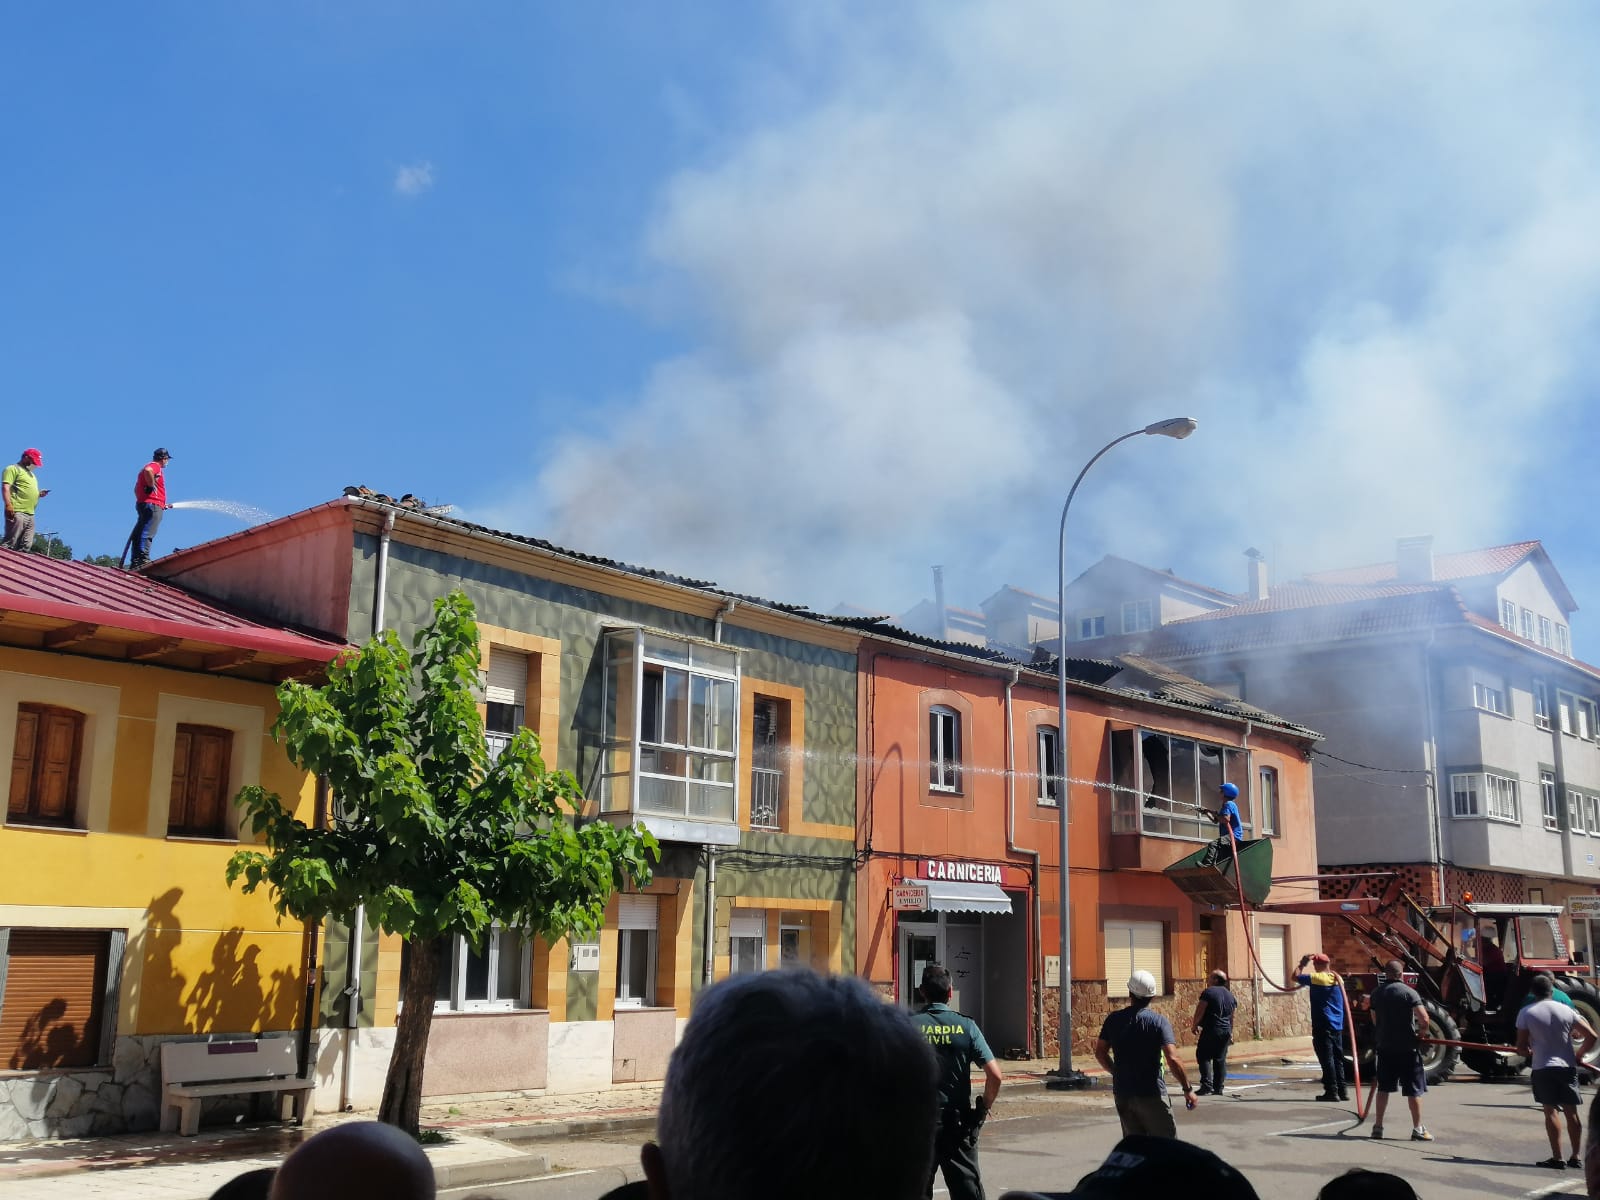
1036 969
352 989
1435 825
708 970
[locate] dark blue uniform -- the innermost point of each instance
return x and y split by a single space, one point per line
957 1043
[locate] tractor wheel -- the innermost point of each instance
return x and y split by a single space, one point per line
1439 1062
1587 1001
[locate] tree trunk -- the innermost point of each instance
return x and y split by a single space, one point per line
402 1088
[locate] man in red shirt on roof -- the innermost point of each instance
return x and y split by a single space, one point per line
150 501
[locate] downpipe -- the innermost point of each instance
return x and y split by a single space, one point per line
1037 966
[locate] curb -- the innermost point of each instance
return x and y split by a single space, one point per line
449 1176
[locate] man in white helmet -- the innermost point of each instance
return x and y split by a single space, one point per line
1131 1046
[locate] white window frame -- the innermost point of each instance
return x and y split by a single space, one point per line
1464 801
1268 800
1047 754
1489 693
1563 640
1546 638
1091 625
1591 814
1138 616
638 925
1587 720
494 947
1134 946
1526 626
1549 800
747 925
944 750
1575 810
1541 704
1487 795
1508 616
1567 712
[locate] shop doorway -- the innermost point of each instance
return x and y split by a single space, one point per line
987 955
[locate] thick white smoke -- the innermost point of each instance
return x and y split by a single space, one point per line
974 242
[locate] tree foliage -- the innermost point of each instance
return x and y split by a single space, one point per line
51 546
434 839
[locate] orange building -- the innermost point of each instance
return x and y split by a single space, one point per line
957 836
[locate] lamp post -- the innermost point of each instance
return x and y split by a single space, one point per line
1175 427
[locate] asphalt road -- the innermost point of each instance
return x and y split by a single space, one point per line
1487 1136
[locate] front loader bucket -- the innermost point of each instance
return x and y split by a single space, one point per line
1215 884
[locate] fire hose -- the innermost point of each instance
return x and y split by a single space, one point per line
1363 1102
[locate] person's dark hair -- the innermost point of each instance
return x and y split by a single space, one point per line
1358 1183
1542 986
252 1185
853 1074
1394 968
936 983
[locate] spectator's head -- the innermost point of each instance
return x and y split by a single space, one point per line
936 983
161 455
1219 979
1542 986
1358 1183
1141 988
1393 969
1321 960
790 1085
357 1158
252 1185
1142 1166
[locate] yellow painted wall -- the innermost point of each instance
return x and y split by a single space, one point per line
201 956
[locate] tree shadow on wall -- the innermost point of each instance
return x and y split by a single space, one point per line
232 994
47 1040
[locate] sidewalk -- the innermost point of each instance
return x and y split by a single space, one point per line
490 1141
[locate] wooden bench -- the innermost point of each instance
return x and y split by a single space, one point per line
191 1071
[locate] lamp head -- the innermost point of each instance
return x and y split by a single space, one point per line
1172 427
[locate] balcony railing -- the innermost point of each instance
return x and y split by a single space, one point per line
766 794
497 743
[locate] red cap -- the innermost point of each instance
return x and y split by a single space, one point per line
1319 956
30 455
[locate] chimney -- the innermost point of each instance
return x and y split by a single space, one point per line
1413 559
1257 574
941 614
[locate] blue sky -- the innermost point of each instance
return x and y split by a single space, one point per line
807 298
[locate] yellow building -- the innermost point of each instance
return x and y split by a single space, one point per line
132 712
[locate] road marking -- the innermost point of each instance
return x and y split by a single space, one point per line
1553 1190
1309 1128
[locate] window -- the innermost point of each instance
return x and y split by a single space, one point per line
1134 946
1267 800
944 749
1567 711
1541 704
1563 643
637 918
1586 718
1527 624
1549 800
1487 794
44 765
768 721
1508 615
497 976
1545 636
201 755
1091 625
1137 616
52 1012
505 696
1049 764
747 941
1159 781
670 727
794 939
1273 947
1591 815
1489 692
1575 811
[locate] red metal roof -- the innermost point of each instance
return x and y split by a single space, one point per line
1468 564
105 596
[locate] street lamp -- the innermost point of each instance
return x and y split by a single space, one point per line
1175 427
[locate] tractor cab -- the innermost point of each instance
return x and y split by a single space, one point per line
1507 944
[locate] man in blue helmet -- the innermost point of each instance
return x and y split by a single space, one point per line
1232 826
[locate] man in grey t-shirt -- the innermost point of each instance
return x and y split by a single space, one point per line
1545 1030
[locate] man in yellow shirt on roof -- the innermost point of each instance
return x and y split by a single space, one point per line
20 488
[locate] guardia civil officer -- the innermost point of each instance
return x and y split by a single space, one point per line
957 1043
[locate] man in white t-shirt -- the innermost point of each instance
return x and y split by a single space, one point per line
1545 1030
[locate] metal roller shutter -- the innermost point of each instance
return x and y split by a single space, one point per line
748 922
1272 947
54 993
507 681
637 912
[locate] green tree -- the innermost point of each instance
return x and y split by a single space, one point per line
103 560
431 836
51 546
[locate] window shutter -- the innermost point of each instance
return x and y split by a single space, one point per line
1119 957
22 761
1134 946
55 988
1273 943
637 912
61 737
178 805
748 923
507 679
1149 951
208 784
